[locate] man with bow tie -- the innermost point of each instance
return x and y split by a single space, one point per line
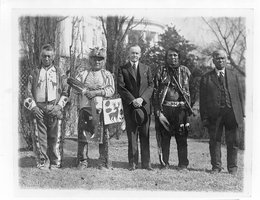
135 86
222 106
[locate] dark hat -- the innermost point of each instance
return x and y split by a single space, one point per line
88 122
98 52
139 115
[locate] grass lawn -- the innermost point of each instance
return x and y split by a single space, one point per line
197 179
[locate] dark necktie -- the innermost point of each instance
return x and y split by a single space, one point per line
221 78
134 69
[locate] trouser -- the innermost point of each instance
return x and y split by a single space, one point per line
82 154
133 132
172 115
183 116
47 139
226 119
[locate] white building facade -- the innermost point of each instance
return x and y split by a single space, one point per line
79 34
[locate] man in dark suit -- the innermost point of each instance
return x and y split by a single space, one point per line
222 106
135 86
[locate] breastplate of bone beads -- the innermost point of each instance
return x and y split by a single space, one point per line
172 93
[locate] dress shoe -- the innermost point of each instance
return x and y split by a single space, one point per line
82 165
215 171
149 168
182 169
233 172
167 166
103 167
55 167
132 167
45 168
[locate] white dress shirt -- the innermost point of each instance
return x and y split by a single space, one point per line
220 71
136 64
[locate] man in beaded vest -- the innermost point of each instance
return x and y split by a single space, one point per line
99 86
171 111
47 95
222 106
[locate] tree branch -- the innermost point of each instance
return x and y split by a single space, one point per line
127 28
222 36
214 32
141 21
236 66
103 26
61 19
235 41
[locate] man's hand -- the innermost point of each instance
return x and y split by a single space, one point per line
37 112
91 94
138 102
56 111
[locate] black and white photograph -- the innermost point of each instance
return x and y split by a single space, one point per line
133 102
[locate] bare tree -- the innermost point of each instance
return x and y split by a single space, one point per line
75 55
230 36
75 46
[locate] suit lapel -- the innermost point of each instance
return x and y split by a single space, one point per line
141 72
229 78
130 70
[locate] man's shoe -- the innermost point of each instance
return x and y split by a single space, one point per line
132 167
102 167
215 171
167 166
149 168
233 172
82 165
55 167
44 168
183 169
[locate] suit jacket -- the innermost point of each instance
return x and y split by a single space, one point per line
129 88
210 95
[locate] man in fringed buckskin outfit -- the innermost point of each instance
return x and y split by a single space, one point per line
46 97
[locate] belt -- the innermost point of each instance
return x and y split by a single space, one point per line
47 102
173 103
